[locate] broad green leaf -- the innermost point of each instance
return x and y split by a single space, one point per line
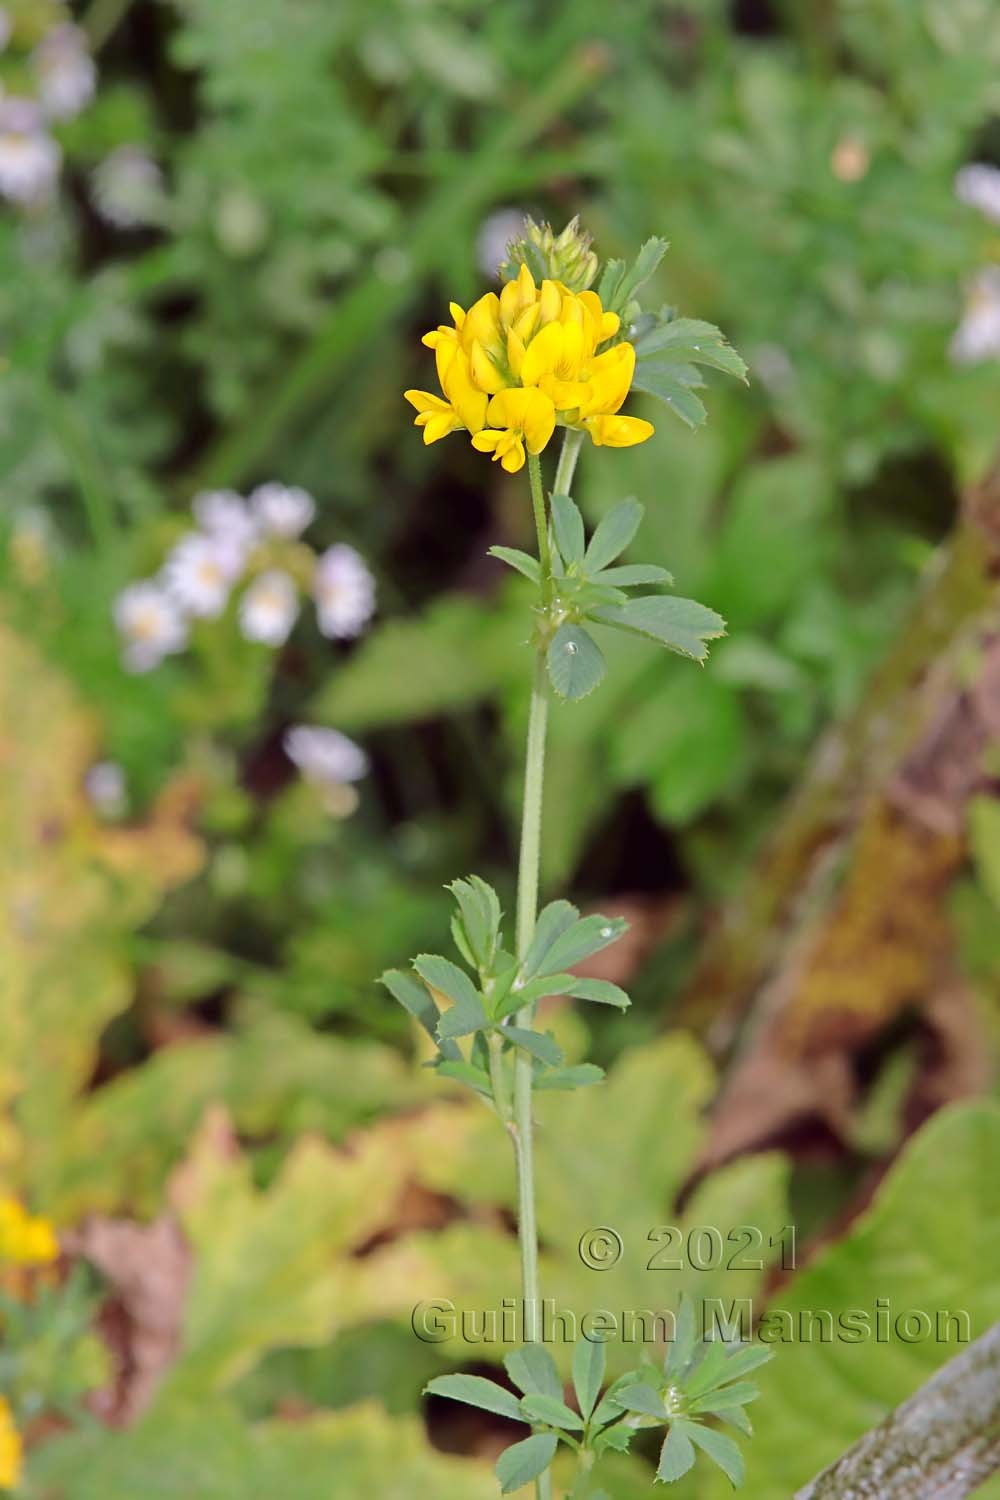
575 662
522 562
735 1416
630 574
211 1451
682 625
551 1411
522 1462
602 991
533 1371
447 978
480 910
643 1399
661 380
589 1361
932 1226
611 537
553 920
465 1072
567 523
543 1047
586 937
474 1390
720 1449
677 1454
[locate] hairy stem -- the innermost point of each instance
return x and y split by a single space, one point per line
522 1128
567 462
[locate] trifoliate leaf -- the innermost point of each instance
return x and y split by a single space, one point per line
615 1438
720 1449
533 1371
641 1398
662 380
631 574
543 1047
567 524
589 1360
688 341
442 975
612 536
519 1464
676 1456
602 991
575 662
461 1020
619 285
682 625
480 910
522 562
474 1390
585 937
414 998
539 1407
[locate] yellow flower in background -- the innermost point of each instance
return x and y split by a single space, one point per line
517 364
11 1448
25 1240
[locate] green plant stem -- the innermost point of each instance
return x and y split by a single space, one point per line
522 1125
567 462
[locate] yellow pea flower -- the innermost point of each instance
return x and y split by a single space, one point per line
514 365
519 419
11 1448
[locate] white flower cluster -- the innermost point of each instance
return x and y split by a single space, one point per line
127 188
977 337
239 542
64 80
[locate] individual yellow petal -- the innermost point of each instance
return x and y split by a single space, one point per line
539 422
526 286
513 459
618 432
486 440
458 313
610 324
515 352
482 322
609 380
484 371
542 354
510 303
467 399
437 425
549 302
525 323
425 401
572 310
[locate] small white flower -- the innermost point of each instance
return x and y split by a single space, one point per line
344 591
978 185
282 510
197 575
226 517
325 755
66 73
150 623
494 235
977 336
29 158
269 608
128 188
104 785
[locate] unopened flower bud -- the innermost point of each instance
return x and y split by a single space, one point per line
565 257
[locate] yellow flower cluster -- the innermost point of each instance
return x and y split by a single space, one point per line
11 1451
516 364
25 1240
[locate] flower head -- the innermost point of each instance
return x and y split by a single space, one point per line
344 591
11 1448
66 72
151 624
517 364
198 573
29 157
325 755
282 510
269 608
